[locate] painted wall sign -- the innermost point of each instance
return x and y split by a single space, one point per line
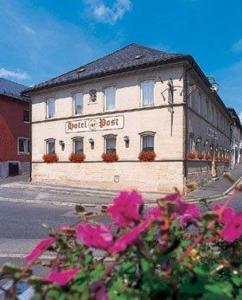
97 124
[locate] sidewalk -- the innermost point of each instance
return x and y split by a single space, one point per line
215 189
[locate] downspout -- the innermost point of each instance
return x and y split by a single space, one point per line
185 129
30 171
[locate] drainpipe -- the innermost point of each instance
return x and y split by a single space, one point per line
185 131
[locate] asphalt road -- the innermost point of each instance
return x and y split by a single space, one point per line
21 226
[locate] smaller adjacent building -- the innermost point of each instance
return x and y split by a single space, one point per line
14 129
236 141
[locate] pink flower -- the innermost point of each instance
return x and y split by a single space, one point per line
61 277
155 213
99 236
233 229
125 208
173 197
39 249
129 237
226 214
187 212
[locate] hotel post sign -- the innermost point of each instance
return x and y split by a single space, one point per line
95 124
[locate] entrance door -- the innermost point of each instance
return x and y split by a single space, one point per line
13 169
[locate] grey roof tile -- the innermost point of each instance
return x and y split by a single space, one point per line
130 57
12 89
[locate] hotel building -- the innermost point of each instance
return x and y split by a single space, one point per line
129 104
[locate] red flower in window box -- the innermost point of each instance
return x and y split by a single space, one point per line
208 156
77 157
191 155
110 157
147 155
50 158
200 156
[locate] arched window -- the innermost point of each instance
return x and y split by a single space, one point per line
77 145
110 143
147 141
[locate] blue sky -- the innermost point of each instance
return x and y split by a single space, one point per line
40 39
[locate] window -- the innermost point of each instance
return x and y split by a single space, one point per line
110 94
110 144
212 116
78 145
23 146
217 119
207 109
147 141
50 108
26 116
50 146
147 93
199 102
78 103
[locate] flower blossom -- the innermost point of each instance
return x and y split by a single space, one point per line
61 277
225 213
99 236
233 229
39 249
125 208
129 237
186 211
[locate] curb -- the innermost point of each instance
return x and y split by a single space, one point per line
232 187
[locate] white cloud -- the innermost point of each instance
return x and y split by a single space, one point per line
13 74
237 47
109 13
28 29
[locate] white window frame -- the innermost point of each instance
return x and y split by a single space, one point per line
27 122
77 138
141 93
110 136
144 134
105 98
47 147
26 146
74 104
47 108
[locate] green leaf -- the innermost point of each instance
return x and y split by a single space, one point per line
97 273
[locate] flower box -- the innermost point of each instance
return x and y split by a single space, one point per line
200 156
50 158
147 156
110 157
208 156
191 155
77 157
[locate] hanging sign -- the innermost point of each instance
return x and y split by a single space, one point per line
97 124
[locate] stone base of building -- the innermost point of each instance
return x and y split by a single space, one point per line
12 168
199 171
143 176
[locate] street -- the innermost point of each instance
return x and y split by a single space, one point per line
24 208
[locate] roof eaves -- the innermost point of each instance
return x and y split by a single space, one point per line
107 73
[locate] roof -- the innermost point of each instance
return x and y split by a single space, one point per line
235 116
12 89
130 57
